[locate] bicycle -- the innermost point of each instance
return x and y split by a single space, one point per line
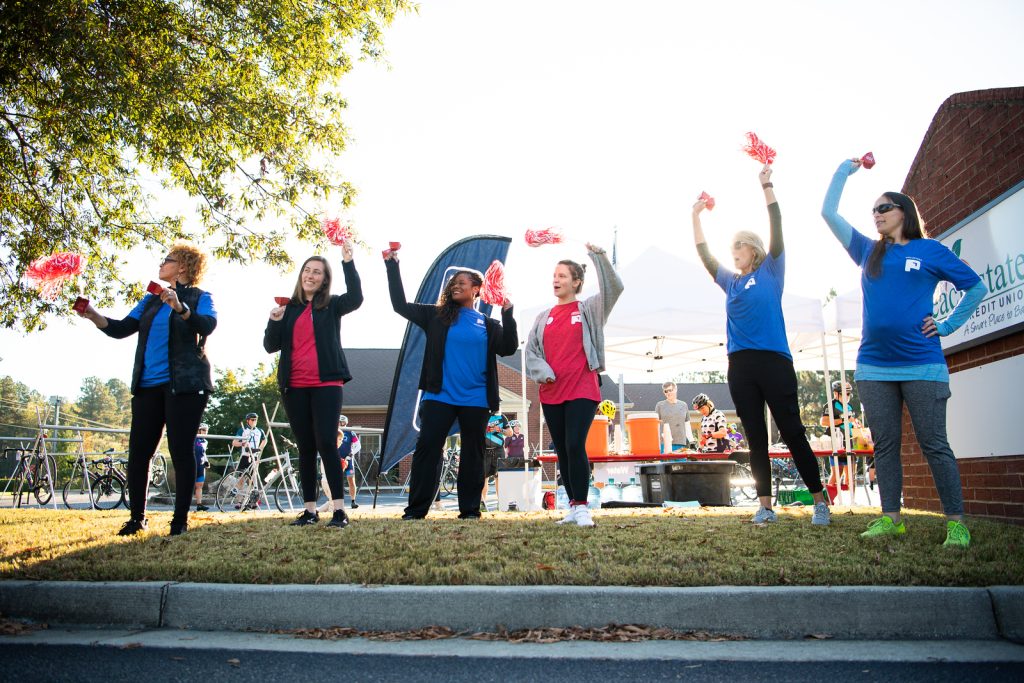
241 488
449 472
34 472
105 489
158 471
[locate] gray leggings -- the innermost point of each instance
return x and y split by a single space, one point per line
926 403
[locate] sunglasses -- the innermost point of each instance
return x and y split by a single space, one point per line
169 260
885 208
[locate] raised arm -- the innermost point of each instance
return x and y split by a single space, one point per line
608 281
353 296
775 244
830 207
413 312
706 258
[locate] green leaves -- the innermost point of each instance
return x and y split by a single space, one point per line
234 102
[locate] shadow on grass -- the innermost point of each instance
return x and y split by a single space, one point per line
693 547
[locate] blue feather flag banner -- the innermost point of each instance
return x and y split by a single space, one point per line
401 426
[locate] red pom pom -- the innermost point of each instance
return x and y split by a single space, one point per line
868 160
49 273
709 201
338 233
535 238
757 149
493 290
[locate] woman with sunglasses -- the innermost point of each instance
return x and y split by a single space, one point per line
900 361
311 372
171 381
760 363
564 354
459 381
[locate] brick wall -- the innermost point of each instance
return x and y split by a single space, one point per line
973 152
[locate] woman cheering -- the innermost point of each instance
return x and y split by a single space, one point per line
760 363
311 372
900 361
565 354
459 381
171 380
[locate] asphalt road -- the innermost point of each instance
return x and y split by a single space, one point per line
153 665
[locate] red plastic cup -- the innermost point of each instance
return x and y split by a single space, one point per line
395 246
868 160
155 288
81 303
282 300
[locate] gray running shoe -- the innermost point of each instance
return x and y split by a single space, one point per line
764 516
822 515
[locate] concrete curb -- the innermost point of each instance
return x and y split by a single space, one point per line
1008 605
848 613
126 603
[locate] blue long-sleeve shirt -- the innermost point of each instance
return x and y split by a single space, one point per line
896 302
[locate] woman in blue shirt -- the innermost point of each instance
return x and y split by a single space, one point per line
760 364
459 381
171 380
900 360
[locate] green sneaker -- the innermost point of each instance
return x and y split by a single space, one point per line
957 535
884 526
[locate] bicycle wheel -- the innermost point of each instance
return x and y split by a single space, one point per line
158 471
228 496
287 494
46 472
76 494
448 481
107 492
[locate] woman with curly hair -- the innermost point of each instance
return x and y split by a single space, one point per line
171 380
459 381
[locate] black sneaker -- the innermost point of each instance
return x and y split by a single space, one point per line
354 504
339 520
202 508
307 518
133 526
178 529
407 516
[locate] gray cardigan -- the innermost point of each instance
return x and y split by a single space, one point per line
594 312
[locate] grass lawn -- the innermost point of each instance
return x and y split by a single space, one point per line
690 547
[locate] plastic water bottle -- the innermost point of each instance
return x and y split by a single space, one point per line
561 499
610 492
633 493
593 497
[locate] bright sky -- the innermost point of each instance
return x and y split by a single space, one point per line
494 117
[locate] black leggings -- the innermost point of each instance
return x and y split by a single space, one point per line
757 378
569 423
152 409
313 415
436 420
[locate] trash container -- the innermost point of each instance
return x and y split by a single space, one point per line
703 481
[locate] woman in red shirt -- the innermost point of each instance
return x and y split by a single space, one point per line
311 372
565 354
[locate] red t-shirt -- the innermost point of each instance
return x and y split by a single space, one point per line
305 364
563 350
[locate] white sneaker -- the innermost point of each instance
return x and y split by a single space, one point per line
571 517
583 516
